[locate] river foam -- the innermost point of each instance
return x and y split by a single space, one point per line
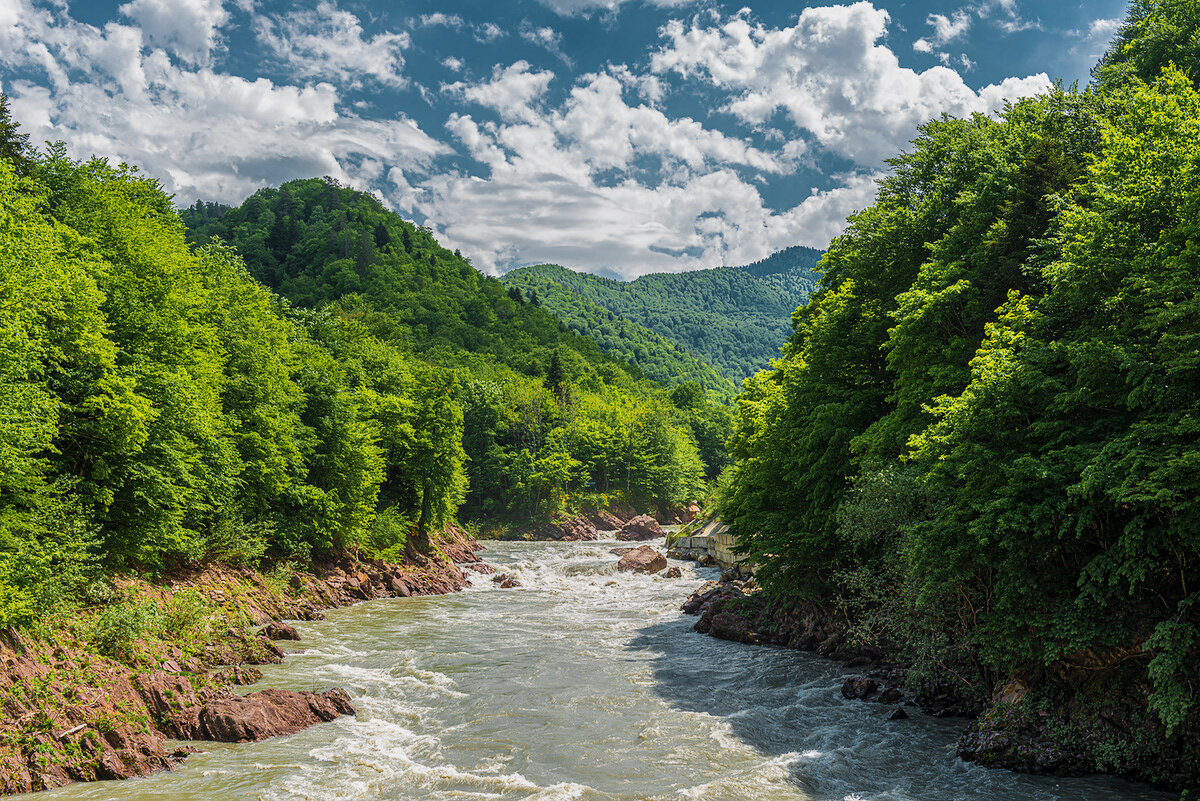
583 683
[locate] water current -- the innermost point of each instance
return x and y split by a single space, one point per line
584 683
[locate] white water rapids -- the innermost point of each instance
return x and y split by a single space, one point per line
584 683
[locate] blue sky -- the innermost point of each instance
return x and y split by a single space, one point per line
623 136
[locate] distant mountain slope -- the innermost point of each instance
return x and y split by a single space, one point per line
731 317
658 357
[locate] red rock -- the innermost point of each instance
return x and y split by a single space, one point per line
276 630
642 527
269 713
579 529
606 521
642 560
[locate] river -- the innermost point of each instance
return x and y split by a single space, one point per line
582 684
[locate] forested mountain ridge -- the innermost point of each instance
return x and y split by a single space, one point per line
655 355
980 445
162 406
730 317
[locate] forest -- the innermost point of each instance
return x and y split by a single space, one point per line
733 318
301 376
980 445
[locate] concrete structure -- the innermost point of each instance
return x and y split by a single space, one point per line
712 541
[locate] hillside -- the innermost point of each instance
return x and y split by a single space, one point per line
658 357
979 447
544 416
730 317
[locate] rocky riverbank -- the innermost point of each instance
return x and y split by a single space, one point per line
98 695
1076 720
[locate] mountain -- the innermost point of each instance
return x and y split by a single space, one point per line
730 317
658 357
547 419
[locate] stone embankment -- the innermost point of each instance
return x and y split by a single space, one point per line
68 712
628 524
1059 738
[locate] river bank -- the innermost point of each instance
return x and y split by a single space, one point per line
583 683
96 695
1082 720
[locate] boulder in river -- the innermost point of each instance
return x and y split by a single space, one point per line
276 630
269 713
859 687
606 521
643 560
578 529
673 572
505 581
642 527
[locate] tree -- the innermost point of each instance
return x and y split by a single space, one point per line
14 145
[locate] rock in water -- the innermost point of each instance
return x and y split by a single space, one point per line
270 713
275 630
606 521
642 527
859 687
643 560
673 572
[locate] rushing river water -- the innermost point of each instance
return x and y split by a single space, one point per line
582 684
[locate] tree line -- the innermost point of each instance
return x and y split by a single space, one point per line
981 443
300 376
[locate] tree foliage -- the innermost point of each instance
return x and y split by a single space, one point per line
674 325
990 403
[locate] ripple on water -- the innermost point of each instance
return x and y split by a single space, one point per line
584 683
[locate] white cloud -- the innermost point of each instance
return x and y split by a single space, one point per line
1104 29
511 92
201 132
571 184
453 64
188 28
328 43
488 32
572 8
710 219
945 30
438 18
544 37
830 76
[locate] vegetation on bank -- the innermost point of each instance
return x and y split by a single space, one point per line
981 443
732 318
347 384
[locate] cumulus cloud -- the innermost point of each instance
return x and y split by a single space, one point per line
831 77
544 37
438 18
572 183
709 219
201 132
188 28
511 92
945 30
328 43
488 32
572 8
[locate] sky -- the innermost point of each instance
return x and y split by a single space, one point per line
615 136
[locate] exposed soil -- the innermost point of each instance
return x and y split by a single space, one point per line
1071 720
70 712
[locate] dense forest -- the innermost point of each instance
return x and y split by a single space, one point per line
656 356
308 374
981 444
732 318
